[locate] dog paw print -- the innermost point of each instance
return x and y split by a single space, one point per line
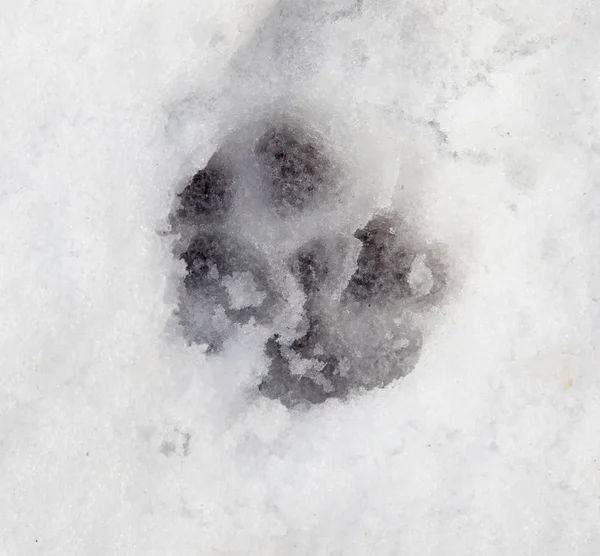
344 308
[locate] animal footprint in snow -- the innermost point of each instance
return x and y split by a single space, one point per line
354 300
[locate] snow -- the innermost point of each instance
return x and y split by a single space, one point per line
477 124
420 278
243 290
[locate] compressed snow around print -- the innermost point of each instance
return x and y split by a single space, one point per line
299 277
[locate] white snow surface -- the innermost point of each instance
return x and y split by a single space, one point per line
478 122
